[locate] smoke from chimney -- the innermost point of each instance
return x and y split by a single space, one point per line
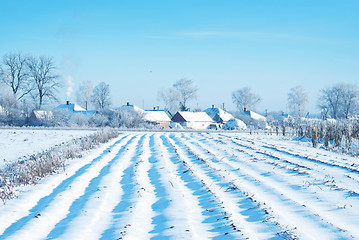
69 85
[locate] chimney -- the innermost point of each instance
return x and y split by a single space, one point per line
128 103
245 109
213 106
67 102
154 108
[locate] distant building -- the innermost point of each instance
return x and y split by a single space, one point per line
129 106
254 119
71 109
194 120
254 115
218 115
40 116
158 116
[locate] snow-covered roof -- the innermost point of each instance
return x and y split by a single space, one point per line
157 116
213 111
41 114
132 107
195 116
71 107
255 115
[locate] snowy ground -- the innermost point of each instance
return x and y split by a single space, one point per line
16 143
192 186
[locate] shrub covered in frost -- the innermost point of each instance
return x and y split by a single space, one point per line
31 169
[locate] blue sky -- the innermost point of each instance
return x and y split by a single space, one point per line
139 47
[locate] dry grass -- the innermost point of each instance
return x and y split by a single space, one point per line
37 166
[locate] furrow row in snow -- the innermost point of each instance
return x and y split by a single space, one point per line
228 200
93 213
266 191
57 207
32 197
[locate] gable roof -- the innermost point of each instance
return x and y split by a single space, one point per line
192 117
254 115
220 113
157 116
132 107
71 107
42 114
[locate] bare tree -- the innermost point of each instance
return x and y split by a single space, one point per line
339 101
84 93
171 99
297 100
101 96
15 74
187 92
46 82
244 98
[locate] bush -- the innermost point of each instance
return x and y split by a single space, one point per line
33 168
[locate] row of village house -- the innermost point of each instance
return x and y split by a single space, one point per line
211 118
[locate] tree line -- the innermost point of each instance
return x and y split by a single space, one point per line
29 82
338 102
34 81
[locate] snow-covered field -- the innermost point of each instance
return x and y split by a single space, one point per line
192 186
16 143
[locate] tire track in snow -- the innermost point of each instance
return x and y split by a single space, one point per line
31 202
58 206
277 189
103 193
229 202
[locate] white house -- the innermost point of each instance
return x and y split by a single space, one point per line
157 116
194 120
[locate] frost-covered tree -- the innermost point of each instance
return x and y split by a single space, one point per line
171 99
297 100
84 93
187 91
46 82
14 73
100 97
244 98
339 101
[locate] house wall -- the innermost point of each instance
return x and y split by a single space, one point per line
165 124
198 125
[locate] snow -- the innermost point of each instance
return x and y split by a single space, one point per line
157 116
71 107
192 185
255 115
175 125
17 143
234 124
196 117
213 111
